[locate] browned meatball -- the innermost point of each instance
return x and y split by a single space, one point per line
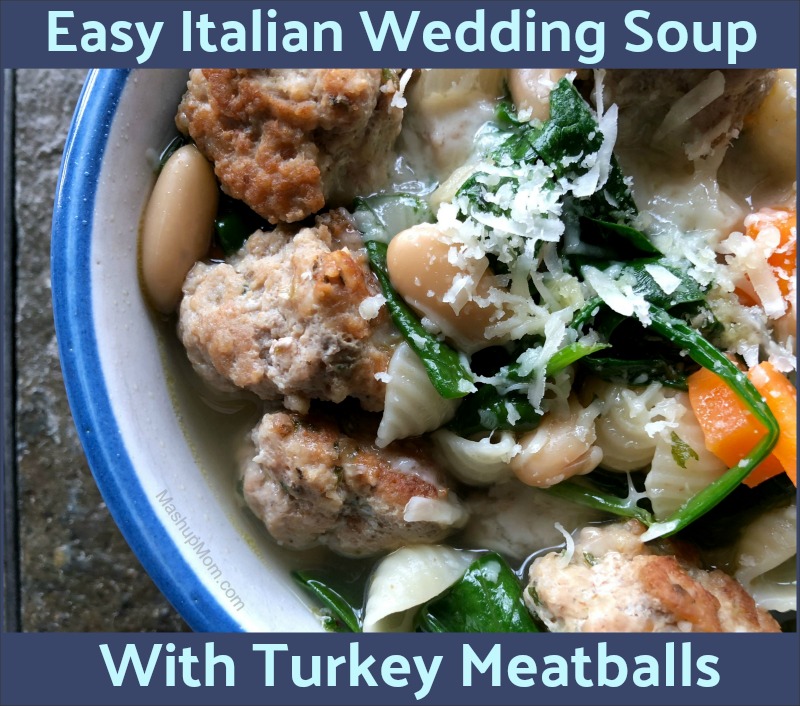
315 481
613 582
645 98
281 318
288 142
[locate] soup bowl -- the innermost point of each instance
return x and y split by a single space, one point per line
153 456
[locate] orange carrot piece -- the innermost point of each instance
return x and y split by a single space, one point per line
785 256
731 431
781 398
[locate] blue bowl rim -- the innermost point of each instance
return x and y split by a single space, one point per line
88 396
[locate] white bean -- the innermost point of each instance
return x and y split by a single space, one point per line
177 225
560 447
530 89
423 275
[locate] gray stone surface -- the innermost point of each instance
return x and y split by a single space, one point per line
76 571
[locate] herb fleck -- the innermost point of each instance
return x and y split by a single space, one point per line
681 451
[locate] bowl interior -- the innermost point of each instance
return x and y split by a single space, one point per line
164 459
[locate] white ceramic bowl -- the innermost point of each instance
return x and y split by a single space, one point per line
178 510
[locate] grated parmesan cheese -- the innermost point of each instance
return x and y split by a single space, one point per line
748 258
663 278
746 330
617 292
370 307
689 105
596 177
569 548
448 512
398 99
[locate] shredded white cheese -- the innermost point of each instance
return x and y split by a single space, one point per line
689 105
443 512
398 99
617 292
749 257
663 278
569 549
370 307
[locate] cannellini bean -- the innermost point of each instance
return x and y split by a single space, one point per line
530 89
420 271
177 226
560 447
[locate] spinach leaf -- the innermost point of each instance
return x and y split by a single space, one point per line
614 204
637 275
572 354
562 142
560 360
583 491
235 223
570 133
489 410
586 313
705 354
636 372
172 147
344 616
475 191
688 291
505 114
488 598
618 236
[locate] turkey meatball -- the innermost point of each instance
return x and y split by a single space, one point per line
614 582
283 318
288 142
319 479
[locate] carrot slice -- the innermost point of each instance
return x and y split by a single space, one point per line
784 258
781 398
731 431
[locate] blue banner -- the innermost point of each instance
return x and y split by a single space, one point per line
578 33
350 669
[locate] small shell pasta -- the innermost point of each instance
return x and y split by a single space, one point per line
627 428
766 557
682 466
412 404
477 462
408 578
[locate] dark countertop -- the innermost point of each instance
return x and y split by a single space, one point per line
74 572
